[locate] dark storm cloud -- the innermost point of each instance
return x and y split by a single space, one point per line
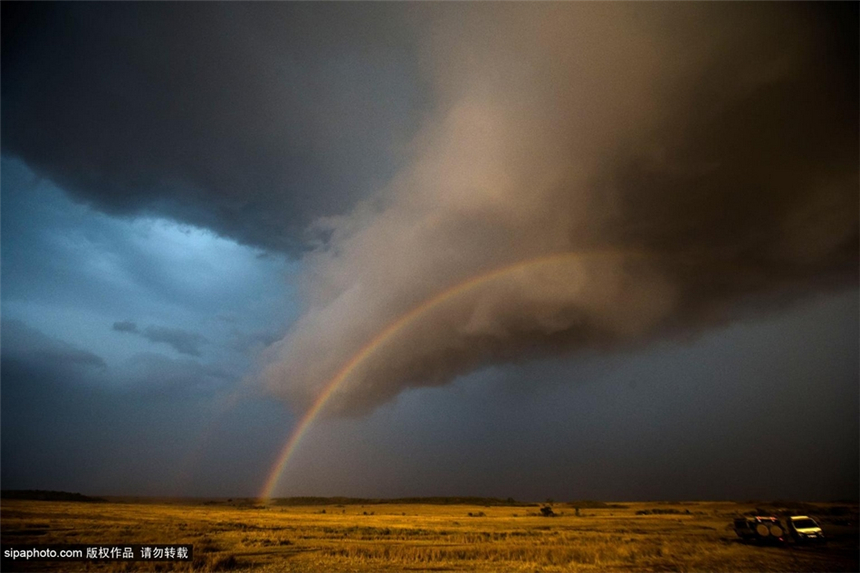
708 151
251 120
701 158
675 421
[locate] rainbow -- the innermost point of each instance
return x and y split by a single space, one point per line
387 333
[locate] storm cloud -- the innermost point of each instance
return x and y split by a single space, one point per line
248 120
25 344
566 250
125 326
182 341
687 165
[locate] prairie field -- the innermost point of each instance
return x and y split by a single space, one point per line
324 535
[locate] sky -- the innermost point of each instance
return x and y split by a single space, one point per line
542 251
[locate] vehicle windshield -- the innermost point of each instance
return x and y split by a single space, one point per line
804 523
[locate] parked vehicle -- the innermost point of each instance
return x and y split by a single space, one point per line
759 529
804 529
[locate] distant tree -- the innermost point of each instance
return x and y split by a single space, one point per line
547 511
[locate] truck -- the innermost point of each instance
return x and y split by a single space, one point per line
759 529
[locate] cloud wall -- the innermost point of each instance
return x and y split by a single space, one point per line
698 164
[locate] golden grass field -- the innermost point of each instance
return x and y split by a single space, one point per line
245 535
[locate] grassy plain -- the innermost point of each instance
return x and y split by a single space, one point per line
244 535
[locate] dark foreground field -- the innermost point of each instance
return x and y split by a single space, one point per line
339 535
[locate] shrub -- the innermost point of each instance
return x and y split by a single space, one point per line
547 511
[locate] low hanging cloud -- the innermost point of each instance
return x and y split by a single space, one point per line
154 374
182 341
23 343
125 326
615 173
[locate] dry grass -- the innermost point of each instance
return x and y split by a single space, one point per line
421 537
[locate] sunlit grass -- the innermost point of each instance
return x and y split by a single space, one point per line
414 537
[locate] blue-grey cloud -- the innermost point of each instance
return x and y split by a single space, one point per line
143 372
182 341
70 424
60 253
256 340
125 326
155 373
21 342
